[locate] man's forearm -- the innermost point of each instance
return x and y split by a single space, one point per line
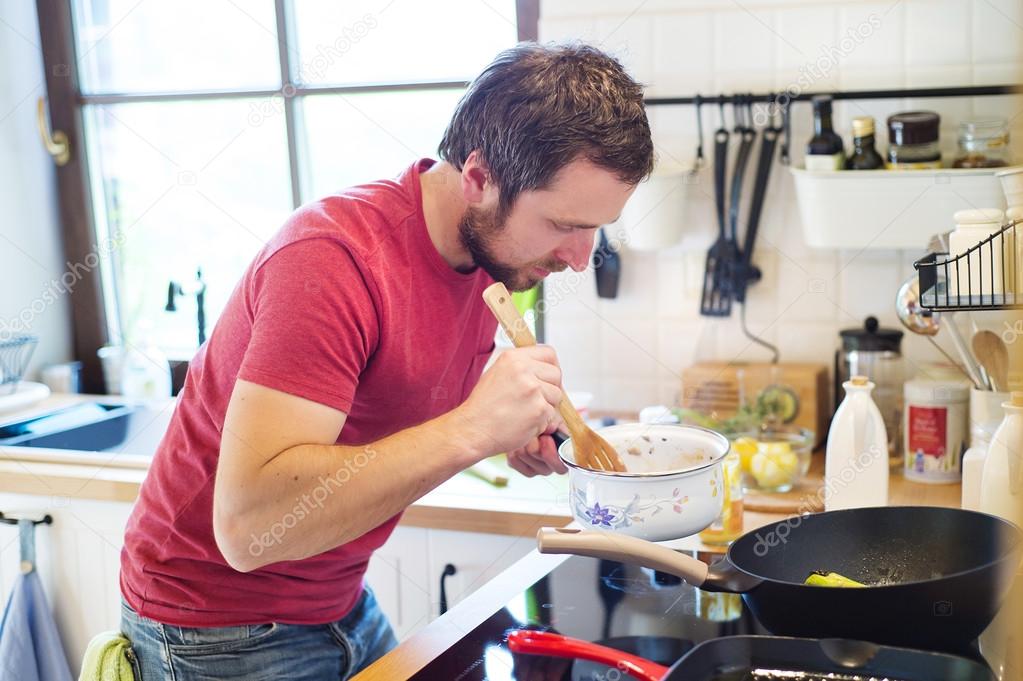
311 498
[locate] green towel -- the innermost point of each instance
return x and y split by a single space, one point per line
106 658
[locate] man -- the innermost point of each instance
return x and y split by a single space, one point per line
343 380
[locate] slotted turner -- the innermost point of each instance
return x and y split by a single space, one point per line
591 450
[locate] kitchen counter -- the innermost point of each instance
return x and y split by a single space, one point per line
464 503
418 651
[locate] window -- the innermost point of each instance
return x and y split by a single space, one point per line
206 122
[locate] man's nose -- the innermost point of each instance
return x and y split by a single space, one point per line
576 249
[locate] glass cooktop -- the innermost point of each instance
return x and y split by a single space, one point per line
634 609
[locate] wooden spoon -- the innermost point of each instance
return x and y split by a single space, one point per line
993 355
591 450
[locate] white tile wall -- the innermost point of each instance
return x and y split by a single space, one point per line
630 351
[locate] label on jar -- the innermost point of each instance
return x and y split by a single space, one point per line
818 162
920 165
927 431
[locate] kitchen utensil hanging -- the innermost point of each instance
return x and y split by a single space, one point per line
746 272
716 299
607 267
951 283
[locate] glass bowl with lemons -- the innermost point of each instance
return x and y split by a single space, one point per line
773 458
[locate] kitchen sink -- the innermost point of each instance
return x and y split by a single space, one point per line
90 427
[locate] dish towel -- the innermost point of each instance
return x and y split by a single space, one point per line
30 648
106 658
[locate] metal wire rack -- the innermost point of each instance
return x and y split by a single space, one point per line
989 276
15 352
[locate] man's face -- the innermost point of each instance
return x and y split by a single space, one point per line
546 230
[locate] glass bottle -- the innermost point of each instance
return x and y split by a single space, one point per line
824 151
728 526
864 156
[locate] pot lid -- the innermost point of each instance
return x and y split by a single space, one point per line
871 338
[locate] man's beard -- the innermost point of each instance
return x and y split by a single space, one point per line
478 231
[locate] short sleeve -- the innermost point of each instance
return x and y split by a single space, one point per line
314 324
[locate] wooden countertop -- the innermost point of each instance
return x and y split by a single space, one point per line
416 652
463 503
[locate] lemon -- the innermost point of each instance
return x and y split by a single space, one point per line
774 464
746 448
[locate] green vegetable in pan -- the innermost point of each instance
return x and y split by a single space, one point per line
818 578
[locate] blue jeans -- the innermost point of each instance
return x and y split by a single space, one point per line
254 652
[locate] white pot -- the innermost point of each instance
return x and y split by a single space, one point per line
672 486
1012 185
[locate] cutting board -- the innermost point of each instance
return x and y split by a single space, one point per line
718 388
806 497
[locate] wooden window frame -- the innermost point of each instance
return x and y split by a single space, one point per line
89 323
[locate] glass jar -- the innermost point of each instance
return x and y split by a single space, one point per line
728 527
983 143
913 140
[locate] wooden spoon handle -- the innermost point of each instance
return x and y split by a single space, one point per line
499 301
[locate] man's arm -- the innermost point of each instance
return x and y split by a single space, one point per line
284 491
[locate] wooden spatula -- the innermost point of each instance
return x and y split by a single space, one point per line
591 450
993 355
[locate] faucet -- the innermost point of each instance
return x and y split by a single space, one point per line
197 289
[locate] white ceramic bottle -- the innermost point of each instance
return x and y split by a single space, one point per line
856 462
1001 491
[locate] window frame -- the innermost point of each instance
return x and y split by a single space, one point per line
90 326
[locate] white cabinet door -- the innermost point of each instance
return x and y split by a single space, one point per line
477 559
398 575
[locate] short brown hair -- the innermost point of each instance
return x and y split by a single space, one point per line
536 108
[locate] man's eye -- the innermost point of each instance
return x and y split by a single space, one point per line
565 229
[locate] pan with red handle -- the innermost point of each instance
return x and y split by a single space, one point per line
935 576
744 656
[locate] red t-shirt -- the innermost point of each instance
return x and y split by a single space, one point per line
349 305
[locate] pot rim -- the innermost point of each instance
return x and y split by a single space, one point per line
662 474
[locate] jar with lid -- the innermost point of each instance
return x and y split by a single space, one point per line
983 143
936 430
875 352
978 272
913 138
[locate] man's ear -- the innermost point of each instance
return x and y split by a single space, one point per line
475 178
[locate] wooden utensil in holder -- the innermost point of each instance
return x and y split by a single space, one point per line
590 450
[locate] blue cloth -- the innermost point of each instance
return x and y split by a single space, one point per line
260 652
30 648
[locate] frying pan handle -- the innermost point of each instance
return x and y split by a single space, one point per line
622 548
526 642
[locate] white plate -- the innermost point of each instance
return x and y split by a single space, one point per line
25 395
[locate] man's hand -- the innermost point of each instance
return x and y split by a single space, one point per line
538 457
515 401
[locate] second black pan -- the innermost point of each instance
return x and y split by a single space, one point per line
936 576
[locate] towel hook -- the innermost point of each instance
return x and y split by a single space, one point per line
27 538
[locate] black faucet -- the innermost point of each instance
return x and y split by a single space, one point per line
197 289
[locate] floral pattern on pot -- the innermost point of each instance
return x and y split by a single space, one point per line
638 510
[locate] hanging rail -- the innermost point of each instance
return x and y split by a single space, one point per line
964 91
45 520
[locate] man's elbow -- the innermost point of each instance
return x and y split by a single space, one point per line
241 548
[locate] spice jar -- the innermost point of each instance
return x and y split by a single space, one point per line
913 137
983 143
728 526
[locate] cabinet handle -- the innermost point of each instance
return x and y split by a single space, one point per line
449 570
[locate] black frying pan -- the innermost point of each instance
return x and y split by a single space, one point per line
937 575
741 657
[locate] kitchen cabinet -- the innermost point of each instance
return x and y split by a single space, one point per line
406 572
